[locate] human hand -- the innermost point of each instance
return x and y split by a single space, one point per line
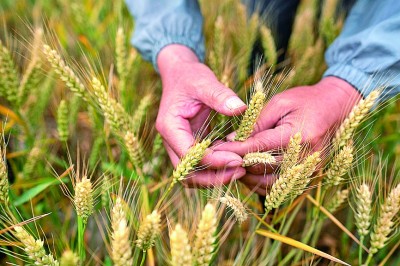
315 111
190 91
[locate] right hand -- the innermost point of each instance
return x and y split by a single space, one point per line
190 91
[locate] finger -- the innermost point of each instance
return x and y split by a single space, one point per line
211 178
221 99
221 159
267 140
177 132
172 155
261 181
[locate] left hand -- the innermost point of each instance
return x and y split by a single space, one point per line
314 111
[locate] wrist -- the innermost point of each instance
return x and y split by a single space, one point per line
174 54
341 88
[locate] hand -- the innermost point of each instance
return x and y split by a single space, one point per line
190 91
315 111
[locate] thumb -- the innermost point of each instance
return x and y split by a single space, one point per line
221 99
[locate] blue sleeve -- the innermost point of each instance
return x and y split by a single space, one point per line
367 52
159 23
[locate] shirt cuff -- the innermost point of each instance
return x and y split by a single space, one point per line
361 81
197 48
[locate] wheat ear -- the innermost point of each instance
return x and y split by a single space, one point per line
204 244
340 165
112 111
69 258
134 149
268 44
356 116
190 160
291 155
121 250
34 248
384 224
148 231
83 198
309 167
31 161
141 112
8 76
181 254
249 119
282 188
4 185
65 73
258 157
337 200
62 121
363 209
239 211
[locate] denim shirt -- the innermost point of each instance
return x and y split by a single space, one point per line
366 53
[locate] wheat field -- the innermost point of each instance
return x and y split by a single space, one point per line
85 179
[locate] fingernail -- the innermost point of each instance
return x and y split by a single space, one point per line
234 103
234 164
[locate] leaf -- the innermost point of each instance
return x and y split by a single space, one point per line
298 244
31 193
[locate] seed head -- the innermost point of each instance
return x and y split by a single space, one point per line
62 121
291 155
385 223
180 247
258 157
337 200
239 211
83 199
340 165
363 209
148 231
4 185
250 117
204 244
134 149
34 248
69 258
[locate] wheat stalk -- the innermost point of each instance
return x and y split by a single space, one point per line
356 116
83 198
62 121
363 209
121 250
34 248
340 165
239 211
205 236
65 73
384 224
249 119
8 76
69 258
291 155
180 247
148 231
258 157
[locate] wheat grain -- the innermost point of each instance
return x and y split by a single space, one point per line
34 248
340 165
83 198
239 211
363 209
62 121
385 223
204 244
148 231
356 116
121 250
69 258
249 119
65 73
180 248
